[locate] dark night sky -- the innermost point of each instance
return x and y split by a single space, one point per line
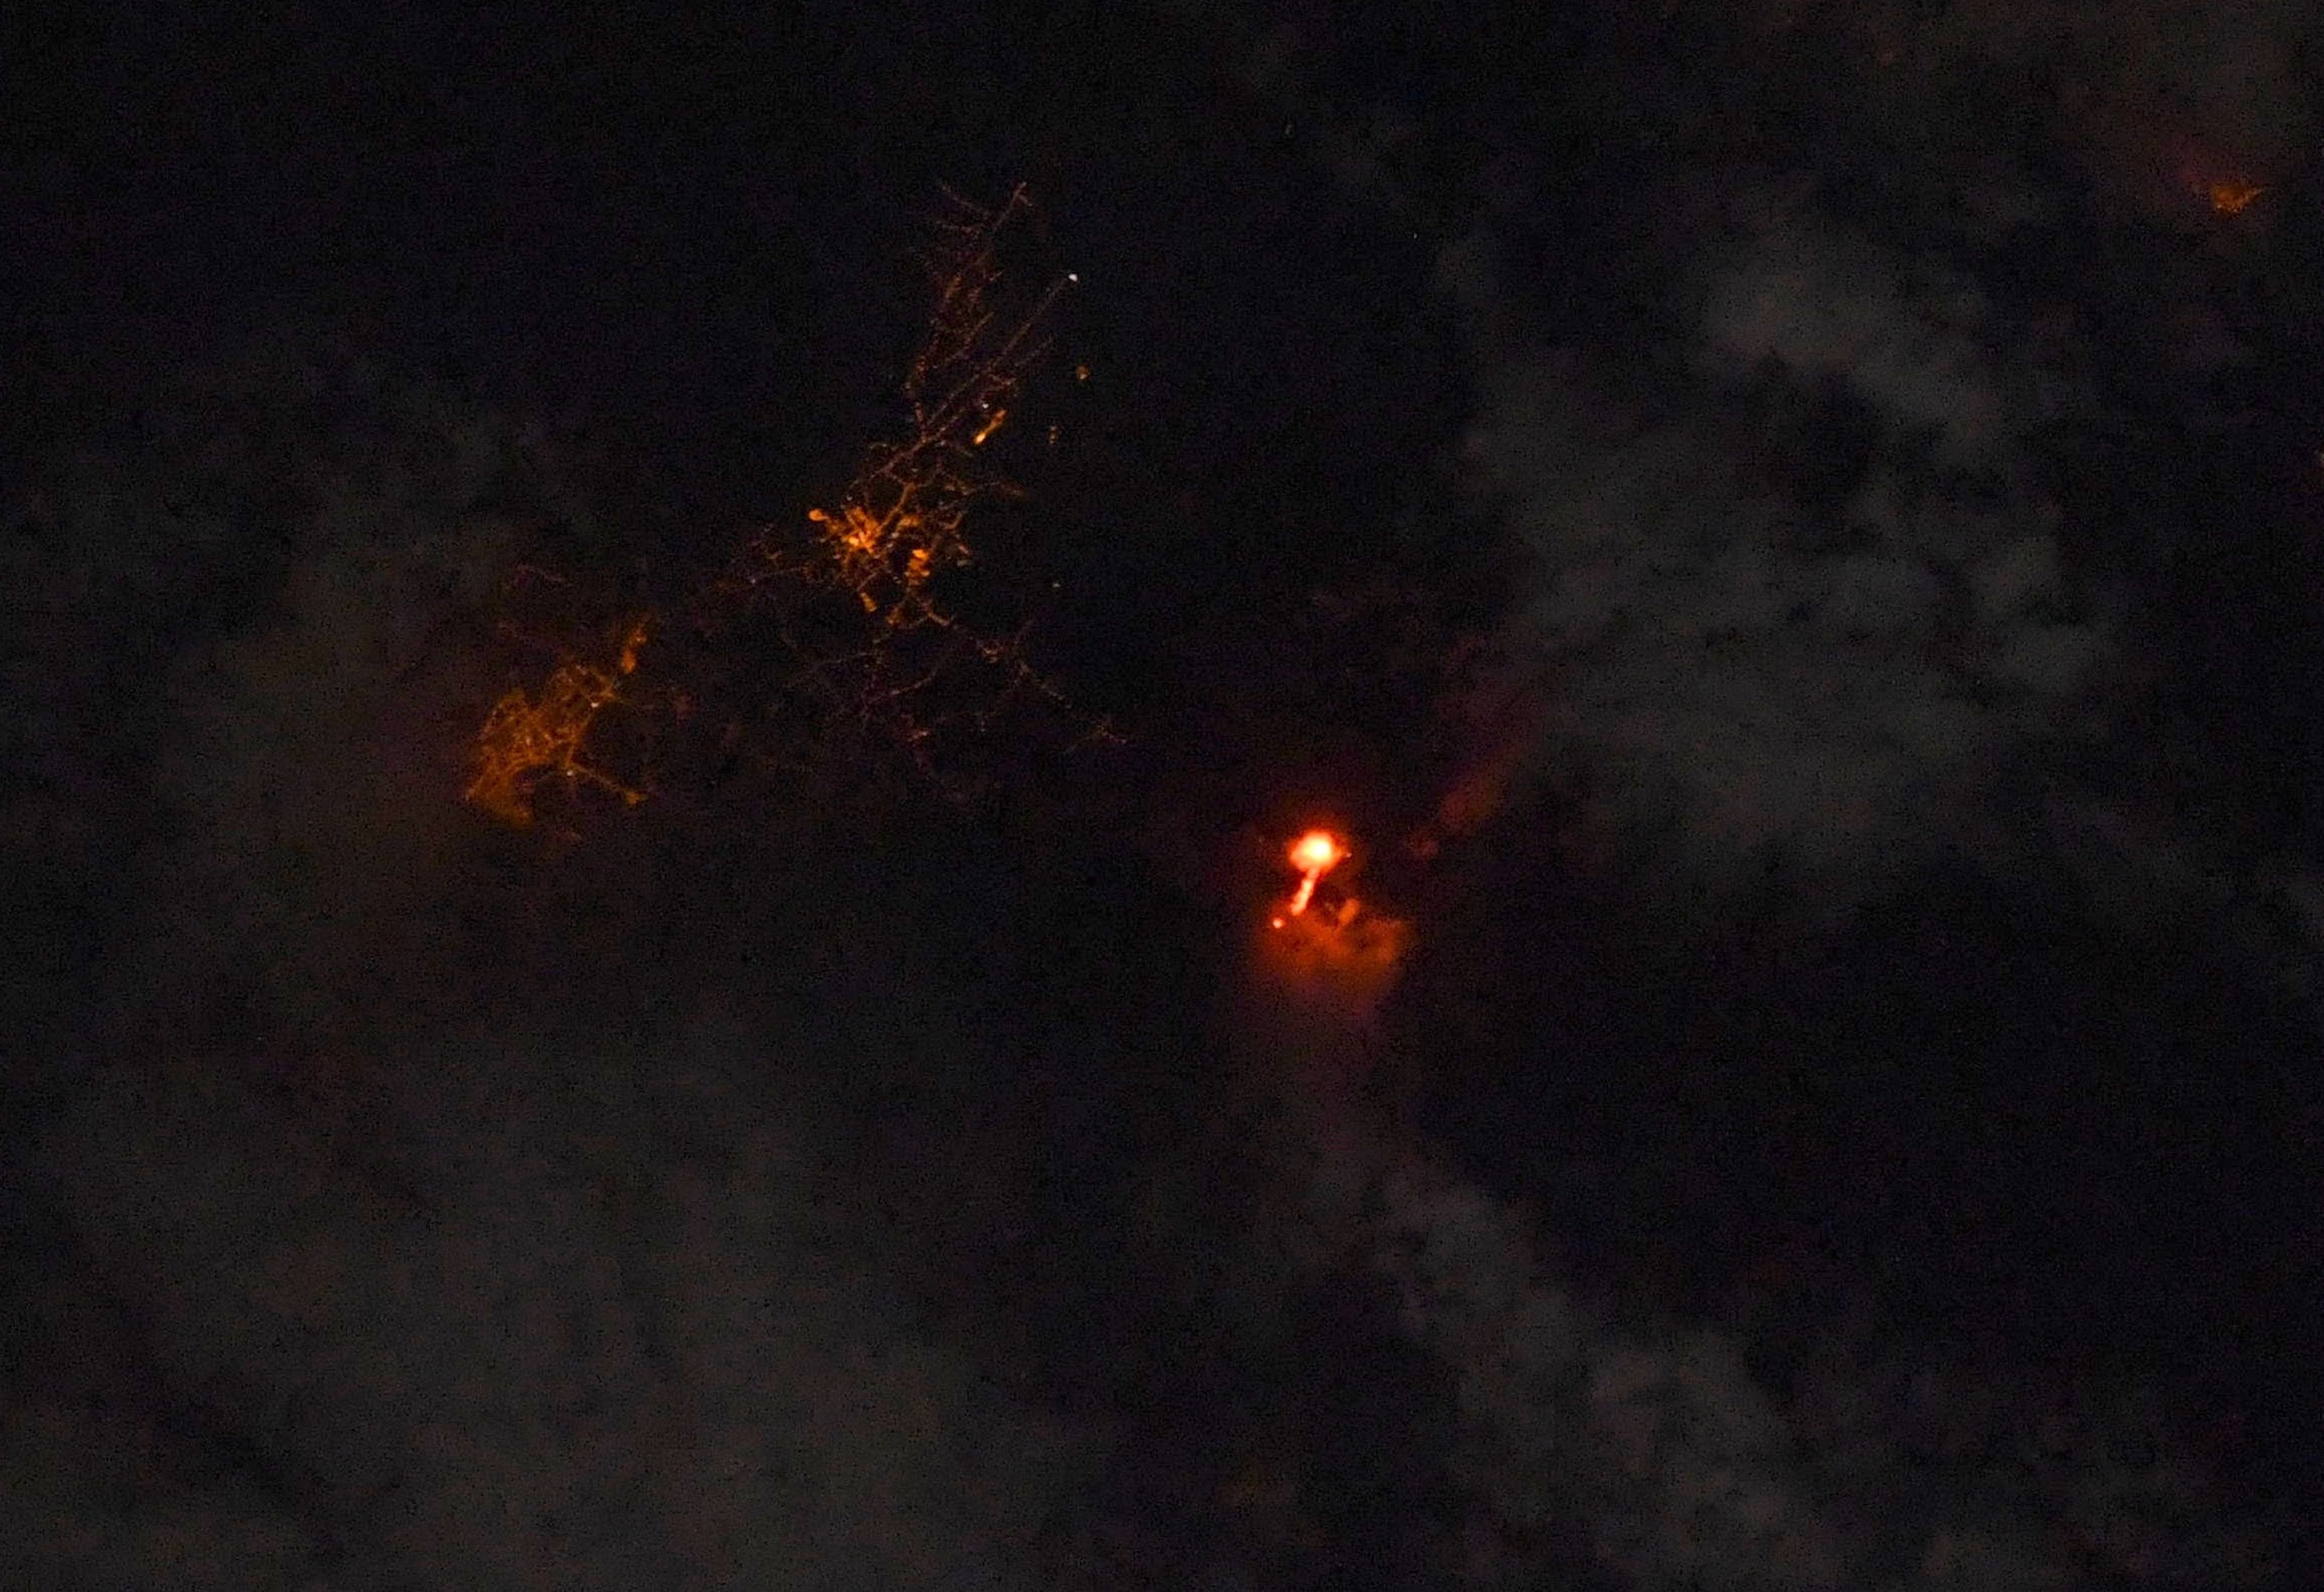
1784 536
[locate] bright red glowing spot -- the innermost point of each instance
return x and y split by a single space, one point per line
1314 851
1314 854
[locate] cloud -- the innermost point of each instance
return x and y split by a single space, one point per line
578 1362
1589 1439
1817 302
1736 680
420 1273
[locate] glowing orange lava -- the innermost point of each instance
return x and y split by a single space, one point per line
2233 198
1314 854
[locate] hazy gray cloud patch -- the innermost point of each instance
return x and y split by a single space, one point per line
1746 682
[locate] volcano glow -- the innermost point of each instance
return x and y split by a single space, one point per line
1314 854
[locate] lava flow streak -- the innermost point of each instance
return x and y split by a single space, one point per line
1314 854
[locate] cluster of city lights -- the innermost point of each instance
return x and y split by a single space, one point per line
897 527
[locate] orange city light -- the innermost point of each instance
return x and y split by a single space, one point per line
1314 854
